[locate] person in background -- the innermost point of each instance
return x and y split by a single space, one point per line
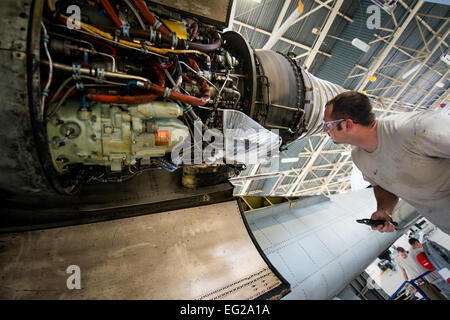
404 155
433 278
412 269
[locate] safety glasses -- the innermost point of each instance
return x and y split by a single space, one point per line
329 125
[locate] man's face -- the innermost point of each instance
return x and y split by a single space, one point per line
336 134
416 245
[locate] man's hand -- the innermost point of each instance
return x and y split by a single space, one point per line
381 214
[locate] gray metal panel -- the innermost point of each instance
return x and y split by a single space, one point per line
198 253
204 9
20 167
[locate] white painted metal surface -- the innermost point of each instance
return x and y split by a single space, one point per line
319 249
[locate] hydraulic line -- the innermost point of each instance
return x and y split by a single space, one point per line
113 51
73 90
158 91
108 40
93 72
159 75
98 32
135 99
136 14
204 85
194 26
65 82
164 67
186 77
170 39
110 11
149 17
45 91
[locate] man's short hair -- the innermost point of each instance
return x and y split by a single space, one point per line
352 105
413 241
400 249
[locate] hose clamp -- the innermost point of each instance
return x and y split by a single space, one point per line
46 38
84 103
76 68
187 108
144 49
157 25
167 92
100 75
174 40
126 30
79 85
152 36
45 92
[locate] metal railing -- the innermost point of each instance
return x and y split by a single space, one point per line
410 283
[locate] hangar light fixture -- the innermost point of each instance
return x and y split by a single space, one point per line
411 71
361 45
289 160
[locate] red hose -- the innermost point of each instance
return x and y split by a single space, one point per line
159 74
123 99
137 99
186 77
147 15
181 43
204 85
165 67
157 91
194 30
110 11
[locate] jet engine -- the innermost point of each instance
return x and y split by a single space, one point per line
100 91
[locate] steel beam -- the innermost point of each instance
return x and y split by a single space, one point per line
308 166
339 13
280 18
411 78
362 84
323 33
276 35
442 79
426 25
443 97
295 43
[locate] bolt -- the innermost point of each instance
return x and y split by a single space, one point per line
108 130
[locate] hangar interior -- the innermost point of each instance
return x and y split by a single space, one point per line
94 111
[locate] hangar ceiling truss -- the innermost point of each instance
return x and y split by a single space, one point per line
411 81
